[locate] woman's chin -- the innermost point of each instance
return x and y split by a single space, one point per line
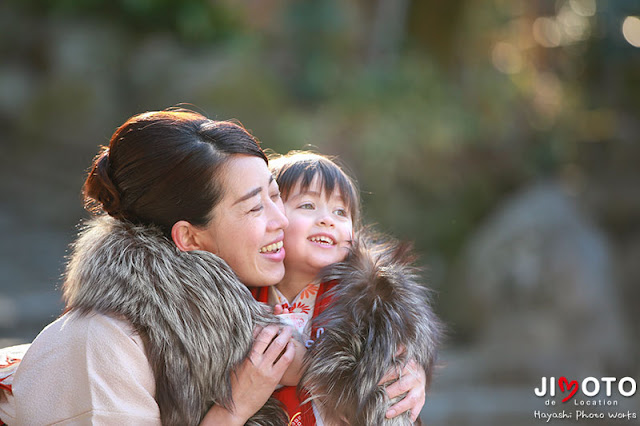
269 275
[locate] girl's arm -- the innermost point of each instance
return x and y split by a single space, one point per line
294 372
257 377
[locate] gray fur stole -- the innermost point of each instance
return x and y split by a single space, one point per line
378 307
194 316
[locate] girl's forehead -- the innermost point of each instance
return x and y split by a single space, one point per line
318 187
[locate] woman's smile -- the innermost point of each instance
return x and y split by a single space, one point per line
247 225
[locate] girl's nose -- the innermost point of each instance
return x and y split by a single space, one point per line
326 219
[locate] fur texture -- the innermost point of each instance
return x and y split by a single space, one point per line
378 309
193 314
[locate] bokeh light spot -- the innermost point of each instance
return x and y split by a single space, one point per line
575 27
546 32
506 58
631 30
583 7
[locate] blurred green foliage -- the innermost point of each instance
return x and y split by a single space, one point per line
192 21
438 127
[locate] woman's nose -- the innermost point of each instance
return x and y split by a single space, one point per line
277 219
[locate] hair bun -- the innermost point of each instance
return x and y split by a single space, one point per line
100 193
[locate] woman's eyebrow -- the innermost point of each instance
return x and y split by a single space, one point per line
248 195
252 193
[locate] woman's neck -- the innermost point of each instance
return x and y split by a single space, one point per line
293 283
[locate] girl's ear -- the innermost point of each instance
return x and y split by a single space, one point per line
185 236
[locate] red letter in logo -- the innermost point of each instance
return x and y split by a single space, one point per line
565 385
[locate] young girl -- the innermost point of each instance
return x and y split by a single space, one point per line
323 209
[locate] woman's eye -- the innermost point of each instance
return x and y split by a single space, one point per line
256 209
275 196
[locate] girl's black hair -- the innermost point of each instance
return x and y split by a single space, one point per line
302 166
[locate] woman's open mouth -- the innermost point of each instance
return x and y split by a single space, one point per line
272 248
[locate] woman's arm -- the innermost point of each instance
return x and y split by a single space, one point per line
257 377
413 382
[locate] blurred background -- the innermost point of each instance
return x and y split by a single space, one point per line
501 137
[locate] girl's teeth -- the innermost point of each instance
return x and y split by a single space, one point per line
325 240
272 247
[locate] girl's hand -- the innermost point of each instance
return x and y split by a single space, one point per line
256 378
293 374
279 310
412 381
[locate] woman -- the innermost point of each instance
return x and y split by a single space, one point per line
155 323
157 327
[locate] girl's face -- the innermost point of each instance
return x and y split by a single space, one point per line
320 229
247 225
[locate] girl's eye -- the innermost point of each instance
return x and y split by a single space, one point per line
341 212
306 206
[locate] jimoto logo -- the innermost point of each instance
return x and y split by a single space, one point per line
605 392
589 387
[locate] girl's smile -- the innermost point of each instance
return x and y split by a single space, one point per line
319 231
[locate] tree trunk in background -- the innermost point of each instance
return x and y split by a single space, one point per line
433 26
388 32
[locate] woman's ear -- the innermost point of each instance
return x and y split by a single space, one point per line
184 235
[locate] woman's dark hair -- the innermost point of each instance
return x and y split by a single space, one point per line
302 166
164 166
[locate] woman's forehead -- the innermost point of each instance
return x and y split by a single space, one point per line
244 174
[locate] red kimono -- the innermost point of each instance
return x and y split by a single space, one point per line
299 414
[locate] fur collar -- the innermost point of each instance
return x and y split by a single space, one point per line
378 307
193 314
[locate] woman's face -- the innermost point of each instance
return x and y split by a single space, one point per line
247 225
